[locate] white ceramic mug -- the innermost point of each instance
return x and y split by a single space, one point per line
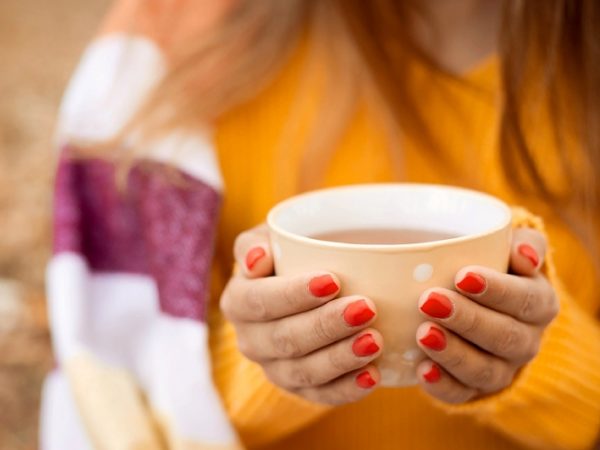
393 276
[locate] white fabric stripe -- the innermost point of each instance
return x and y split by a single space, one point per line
116 317
174 368
193 154
67 287
113 78
115 75
60 426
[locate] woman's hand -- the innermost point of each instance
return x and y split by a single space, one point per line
477 340
307 341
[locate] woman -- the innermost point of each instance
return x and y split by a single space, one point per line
497 96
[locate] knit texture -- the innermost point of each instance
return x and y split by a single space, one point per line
553 403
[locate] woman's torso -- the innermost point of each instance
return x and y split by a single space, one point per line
463 115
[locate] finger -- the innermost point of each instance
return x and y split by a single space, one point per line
264 299
490 330
252 252
466 363
303 333
327 363
528 250
439 384
530 300
346 389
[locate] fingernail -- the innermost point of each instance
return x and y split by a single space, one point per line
529 252
472 283
437 305
322 286
365 345
358 313
434 339
433 375
253 256
365 380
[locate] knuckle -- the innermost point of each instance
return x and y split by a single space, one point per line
503 294
527 309
255 302
508 341
340 361
300 377
472 323
484 377
455 360
284 344
323 326
289 295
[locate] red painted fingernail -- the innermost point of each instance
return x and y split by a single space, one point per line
358 313
365 345
529 252
365 380
322 286
434 339
472 283
433 375
253 256
437 305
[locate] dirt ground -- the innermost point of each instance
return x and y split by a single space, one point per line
40 42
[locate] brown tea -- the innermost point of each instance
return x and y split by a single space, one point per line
389 236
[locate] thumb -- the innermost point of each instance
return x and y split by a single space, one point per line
252 252
528 250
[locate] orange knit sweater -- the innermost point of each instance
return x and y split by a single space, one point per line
554 402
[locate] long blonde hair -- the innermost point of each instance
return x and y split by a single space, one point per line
367 44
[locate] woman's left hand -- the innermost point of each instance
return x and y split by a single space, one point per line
478 338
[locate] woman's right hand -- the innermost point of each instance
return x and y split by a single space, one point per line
307 341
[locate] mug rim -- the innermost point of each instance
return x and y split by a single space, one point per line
385 248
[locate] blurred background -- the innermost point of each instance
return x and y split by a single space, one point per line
40 43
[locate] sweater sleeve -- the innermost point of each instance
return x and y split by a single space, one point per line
555 400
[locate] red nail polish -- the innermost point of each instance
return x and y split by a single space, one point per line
433 375
365 345
472 283
253 256
365 380
322 286
529 252
434 339
358 313
437 305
